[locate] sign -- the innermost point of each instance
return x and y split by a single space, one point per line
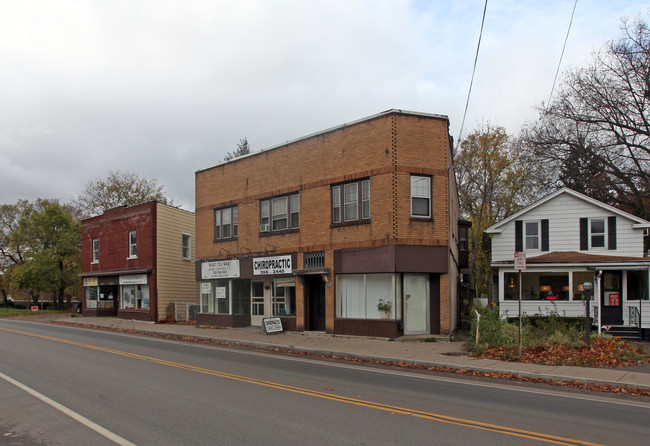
206 288
34 308
222 269
612 299
91 281
272 325
220 292
267 266
520 260
133 279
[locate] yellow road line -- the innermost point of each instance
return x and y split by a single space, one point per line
313 393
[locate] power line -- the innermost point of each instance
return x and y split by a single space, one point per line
469 93
566 38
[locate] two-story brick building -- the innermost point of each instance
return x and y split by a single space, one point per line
323 230
137 261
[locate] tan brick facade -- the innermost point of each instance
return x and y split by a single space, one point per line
385 149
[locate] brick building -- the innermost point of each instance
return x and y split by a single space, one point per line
137 261
328 230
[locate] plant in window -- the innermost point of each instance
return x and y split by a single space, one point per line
384 306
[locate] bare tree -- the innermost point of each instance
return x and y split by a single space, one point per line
119 189
243 148
594 135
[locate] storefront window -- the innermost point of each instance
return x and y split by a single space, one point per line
225 296
135 297
546 286
358 295
284 297
92 293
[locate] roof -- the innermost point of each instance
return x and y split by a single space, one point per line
392 111
639 223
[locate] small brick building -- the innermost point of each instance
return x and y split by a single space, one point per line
351 230
137 261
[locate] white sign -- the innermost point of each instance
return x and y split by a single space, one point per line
206 287
520 260
223 269
134 279
266 266
220 292
91 281
272 325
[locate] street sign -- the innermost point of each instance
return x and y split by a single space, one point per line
520 260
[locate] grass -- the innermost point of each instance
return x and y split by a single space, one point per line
16 312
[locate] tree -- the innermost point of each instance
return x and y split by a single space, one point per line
594 136
51 239
495 179
243 148
119 189
11 254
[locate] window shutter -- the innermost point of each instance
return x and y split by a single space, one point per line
545 243
611 232
584 234
519 235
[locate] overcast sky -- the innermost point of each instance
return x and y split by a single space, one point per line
164 88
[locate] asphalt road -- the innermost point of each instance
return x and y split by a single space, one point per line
111 388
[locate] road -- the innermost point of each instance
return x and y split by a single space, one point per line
74 386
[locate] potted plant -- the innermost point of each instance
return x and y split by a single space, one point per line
384 306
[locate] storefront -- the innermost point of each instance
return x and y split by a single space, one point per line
127 295
242 292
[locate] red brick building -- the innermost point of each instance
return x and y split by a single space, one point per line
328 230
137 261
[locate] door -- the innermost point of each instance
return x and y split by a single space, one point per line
315 303
416 304
611 298
261 292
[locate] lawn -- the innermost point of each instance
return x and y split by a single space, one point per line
15 312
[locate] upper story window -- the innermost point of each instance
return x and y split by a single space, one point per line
532 235
462 239
186 246
420 196
133 244
280 213
351 202
225 223
95 250
597 232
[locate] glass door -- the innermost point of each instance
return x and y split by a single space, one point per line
261 292
416 304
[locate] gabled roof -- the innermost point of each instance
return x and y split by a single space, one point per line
639 223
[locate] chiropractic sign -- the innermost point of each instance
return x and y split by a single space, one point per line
266 266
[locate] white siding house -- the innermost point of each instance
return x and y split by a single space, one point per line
569 239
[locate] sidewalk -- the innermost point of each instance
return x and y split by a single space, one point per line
412 350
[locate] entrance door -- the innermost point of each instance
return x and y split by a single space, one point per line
261 292
611 298
315 303
416 304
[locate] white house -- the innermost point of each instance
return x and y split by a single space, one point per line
568 239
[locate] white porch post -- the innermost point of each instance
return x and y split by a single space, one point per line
600 313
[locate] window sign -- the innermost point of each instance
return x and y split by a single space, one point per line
91 281
220 292
206 288
133 279
223 269
265 266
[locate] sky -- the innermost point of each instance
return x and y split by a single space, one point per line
164 88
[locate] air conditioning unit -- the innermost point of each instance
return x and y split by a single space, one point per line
264 227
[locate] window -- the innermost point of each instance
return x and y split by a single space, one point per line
546 286
225 223
135 297
420 196
95 250
280 213
462 238
284 296
225 296
532 235
186 249
356 202
597 232
358 295
133 244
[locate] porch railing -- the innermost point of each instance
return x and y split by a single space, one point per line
635 317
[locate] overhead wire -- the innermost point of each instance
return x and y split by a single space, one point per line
566 38
471 83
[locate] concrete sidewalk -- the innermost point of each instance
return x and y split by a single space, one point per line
413 350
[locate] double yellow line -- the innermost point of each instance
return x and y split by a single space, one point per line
313 393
